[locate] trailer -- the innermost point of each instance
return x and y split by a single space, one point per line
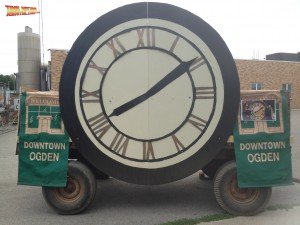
149 94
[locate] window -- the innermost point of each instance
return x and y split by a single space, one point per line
256 86
287 88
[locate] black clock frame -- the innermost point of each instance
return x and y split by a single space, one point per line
230 81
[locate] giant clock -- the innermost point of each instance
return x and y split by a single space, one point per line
149 93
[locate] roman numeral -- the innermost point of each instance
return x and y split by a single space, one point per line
205 92
90 97
174 44
148 151
111 44
150 37
140 33
93 65
179 146
197 122
197 63
99 125
119 144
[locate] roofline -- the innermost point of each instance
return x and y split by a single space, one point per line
264 60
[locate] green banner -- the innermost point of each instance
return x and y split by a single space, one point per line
262 146
43 142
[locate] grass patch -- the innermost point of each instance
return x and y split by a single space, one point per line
224 216
210 218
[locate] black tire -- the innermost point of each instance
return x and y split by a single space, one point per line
77 195
235 200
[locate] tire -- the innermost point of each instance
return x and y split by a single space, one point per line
77 195
238 201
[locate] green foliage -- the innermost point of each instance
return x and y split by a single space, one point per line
217 217
210 218
8 80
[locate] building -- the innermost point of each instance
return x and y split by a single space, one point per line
254 74
271 75
282 56
58 57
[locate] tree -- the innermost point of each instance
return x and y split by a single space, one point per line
9 80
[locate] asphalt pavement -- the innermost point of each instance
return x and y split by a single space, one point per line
127 204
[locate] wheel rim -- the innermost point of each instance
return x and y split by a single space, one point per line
241 195
72 192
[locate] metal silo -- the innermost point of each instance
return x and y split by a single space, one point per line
29 59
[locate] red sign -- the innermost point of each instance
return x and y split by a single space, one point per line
20 10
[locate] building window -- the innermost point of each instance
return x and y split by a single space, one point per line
287 88
256 86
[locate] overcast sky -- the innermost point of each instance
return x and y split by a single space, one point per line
251 28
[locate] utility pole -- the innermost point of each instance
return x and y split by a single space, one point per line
3 85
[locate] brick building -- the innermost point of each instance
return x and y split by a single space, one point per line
254 74
58 57
271 75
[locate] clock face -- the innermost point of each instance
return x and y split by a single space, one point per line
258 109
147 94
139 61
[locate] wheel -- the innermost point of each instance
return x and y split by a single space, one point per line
235 200
77 195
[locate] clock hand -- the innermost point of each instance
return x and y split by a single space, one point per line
170 77
258 109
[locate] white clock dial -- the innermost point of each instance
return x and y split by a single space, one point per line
171 121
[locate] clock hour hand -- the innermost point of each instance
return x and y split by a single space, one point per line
182 68
258 109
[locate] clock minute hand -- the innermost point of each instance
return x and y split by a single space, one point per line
170 77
